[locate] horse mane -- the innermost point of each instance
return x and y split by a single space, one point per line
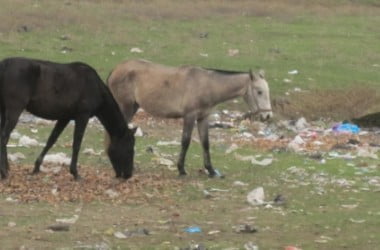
226 72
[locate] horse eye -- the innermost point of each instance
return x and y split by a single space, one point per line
259 92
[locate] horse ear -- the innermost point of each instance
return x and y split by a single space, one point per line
251 75
262 73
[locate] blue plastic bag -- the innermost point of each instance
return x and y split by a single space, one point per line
346 128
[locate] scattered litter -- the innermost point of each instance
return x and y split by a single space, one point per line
279 200
367 152
296 144
263 162
16 157
350 206
232 148
293 72
15 135
250 246
245 229
10 199
26 141
240 183
213 232
256 196
50 169
292 248
233 52
346 128
165 162
168 143
11 224
203 54
111 193
193 229
286 80
120 235
139 132
357 221
63 227
58 158
91 151
71 220
136 50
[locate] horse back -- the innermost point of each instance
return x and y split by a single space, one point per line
160 90
53 90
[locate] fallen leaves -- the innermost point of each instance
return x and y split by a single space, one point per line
96 184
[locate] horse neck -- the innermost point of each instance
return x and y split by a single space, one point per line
110 116
228 86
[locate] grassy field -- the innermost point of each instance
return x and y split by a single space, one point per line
334 45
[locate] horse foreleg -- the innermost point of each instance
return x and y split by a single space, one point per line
188 125
8 123
202 124
80 127
58 128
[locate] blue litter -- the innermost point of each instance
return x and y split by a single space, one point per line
346 128
193 230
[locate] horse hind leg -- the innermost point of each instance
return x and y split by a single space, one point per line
8 123
57 130
80 127
188 125
202 125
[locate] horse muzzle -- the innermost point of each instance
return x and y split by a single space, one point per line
266 115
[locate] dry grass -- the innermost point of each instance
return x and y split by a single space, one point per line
92 13
336 104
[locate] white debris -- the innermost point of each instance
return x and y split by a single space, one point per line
296 144
16 157
293 72
239 183
301 124
233 52
71 220
232 148
263 162
136 50
26 141
256 196
120 235
367 152
286 80
111 193
50 169
15 135
139 132
203 54
11 224
58 158
168 143
91 151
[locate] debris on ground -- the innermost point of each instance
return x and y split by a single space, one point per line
256 196
245 228
59 227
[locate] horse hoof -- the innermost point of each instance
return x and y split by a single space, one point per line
34 172
182 175
215 173
77 177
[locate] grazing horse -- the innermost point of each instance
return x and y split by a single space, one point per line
62 92
185 92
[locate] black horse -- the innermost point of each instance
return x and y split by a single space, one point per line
62 92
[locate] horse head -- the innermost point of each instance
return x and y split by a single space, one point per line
121 153
257 96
